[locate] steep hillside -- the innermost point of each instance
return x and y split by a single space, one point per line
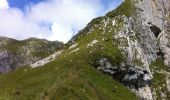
14 53
72 75
113 58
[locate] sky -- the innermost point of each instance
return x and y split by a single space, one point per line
49 19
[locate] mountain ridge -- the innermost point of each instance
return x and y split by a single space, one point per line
17 53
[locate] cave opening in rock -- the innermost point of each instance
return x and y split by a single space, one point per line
156 30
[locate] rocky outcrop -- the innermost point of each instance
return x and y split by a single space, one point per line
141 31
146 32
46 60
157 14
138 80
14 53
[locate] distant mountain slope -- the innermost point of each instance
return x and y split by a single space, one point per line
14 53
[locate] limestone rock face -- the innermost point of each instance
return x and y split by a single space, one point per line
14 53
141 32
138 80
157 13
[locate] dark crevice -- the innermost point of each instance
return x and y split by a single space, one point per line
156 30
128 75
160 54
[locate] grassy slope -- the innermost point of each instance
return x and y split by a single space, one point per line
127 9
71 76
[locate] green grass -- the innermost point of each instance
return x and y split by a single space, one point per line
159 79
127 8
63 80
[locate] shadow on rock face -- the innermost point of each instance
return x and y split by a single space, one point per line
156 30
130 76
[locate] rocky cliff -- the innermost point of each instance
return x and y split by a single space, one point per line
14 53
143 36
140 29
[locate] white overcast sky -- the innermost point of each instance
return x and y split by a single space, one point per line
50 19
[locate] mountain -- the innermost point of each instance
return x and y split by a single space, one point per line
14 53
123 55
